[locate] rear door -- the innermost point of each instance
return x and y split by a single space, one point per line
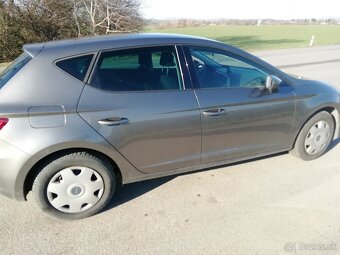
240 117
138 101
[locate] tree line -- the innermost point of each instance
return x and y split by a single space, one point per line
29 21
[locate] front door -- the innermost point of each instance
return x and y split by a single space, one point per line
240 117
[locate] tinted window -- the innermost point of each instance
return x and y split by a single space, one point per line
12 69
152 68
77 67
217 69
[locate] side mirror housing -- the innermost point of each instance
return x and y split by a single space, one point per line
273 83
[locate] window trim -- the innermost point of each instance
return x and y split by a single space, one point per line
185 68
179 60
180 68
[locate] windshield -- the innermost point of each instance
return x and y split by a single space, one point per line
13 68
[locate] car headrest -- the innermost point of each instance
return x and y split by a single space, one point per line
167 59
145 60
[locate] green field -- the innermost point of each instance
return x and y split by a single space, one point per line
265 36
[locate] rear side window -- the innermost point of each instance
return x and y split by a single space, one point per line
13 68
138 69
77 67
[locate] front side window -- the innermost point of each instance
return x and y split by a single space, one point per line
216 69
12 69
139 69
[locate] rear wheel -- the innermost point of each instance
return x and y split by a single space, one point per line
74 186
315 136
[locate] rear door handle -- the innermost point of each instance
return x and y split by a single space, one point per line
215 112
113 121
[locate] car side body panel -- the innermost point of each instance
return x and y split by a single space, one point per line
255 121
42 142
163 128
21 103
313 96
41 90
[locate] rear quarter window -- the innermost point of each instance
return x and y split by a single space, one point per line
14 68
77 66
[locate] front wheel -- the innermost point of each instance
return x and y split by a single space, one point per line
315 136
74 186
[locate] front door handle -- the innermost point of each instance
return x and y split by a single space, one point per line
113 121
215 112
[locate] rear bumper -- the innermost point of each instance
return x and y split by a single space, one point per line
12 161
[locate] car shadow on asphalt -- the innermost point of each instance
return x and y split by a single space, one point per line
133 190
333 144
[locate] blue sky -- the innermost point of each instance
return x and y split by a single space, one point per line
241 9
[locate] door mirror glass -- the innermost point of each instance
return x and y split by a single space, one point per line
273 83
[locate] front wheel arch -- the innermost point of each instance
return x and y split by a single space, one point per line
299 144
336 118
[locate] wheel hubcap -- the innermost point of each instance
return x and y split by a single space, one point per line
75 189
317 137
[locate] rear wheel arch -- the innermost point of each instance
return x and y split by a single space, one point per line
38 166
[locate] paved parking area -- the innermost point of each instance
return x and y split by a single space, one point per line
274 205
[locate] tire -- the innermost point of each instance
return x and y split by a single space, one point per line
315 136
74 186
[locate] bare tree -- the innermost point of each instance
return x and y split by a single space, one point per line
27 21
41 19
109 16
76 16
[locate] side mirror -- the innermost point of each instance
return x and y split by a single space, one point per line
273 83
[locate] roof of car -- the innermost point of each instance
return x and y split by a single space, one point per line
55 50
140 37
95 43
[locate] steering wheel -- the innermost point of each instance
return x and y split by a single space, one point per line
200 70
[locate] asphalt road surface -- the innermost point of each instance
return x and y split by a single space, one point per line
321 63
275 205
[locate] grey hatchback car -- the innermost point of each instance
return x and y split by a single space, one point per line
80 117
